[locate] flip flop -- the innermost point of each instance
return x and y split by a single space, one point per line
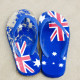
54 40
22 34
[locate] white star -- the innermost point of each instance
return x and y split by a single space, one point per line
43 62
60 65
41 18
37 63
54 53
64 58
53 63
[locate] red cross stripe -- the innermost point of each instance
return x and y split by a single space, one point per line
58 31
22 48
20 61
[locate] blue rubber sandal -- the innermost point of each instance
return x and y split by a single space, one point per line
22 34
54 40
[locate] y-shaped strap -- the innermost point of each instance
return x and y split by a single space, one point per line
15 28
66 39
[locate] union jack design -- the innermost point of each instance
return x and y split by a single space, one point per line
20 61
58 31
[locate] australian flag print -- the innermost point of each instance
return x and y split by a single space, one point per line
25 37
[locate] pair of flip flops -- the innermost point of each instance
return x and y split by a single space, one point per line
22 34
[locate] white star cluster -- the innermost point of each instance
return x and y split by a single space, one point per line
53 63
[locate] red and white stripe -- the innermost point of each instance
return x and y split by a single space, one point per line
22 48
20 61
59 33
